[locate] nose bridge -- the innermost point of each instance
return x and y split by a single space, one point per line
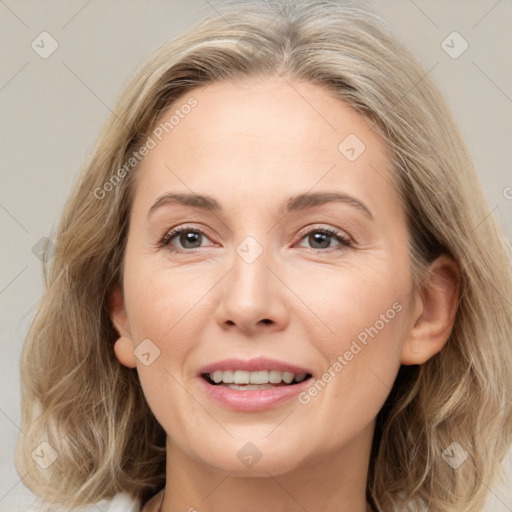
252 295
250 275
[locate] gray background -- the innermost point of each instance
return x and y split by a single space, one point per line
52 110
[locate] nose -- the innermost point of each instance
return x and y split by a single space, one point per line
253 296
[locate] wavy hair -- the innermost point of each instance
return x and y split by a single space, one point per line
91 409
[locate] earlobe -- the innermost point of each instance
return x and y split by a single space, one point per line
123 349
437 301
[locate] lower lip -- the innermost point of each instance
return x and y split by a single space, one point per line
254 400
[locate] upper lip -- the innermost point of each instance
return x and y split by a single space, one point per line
253 365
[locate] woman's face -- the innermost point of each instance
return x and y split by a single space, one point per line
267 267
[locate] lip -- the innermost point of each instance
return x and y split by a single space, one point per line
253 365
254 400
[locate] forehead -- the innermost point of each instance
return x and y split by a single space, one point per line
258 139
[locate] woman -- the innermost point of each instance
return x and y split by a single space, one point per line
257 370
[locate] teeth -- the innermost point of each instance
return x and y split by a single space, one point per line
288 377
259 377
275 376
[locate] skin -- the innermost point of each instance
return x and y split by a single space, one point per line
251 145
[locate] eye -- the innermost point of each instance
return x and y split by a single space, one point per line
190 238
321 238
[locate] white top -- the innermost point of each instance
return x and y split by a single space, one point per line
121 502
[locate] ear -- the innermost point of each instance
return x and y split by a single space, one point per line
436 301
124 346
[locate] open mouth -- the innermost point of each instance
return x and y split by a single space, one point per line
253 381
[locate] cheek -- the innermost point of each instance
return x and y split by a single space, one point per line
160 310
167 306
363 299
366 313
364 361
161 298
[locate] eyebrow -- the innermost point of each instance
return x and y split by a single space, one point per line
292 204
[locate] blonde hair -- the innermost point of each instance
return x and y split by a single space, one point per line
91 409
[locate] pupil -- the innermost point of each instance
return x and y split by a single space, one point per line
189 237
320 238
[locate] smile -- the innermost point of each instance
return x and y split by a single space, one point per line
253 391
240 379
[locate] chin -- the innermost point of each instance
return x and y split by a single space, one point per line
253 459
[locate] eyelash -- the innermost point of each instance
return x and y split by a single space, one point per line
168 237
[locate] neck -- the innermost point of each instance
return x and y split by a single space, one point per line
334 482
